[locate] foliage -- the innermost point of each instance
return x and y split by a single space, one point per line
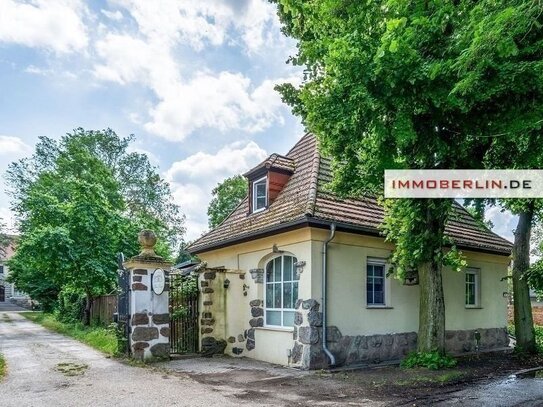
538 337
147 197
431 360
4 240
396 84
182 287
103 339
80 201
3 367
226 197
72 226
184 255
70 306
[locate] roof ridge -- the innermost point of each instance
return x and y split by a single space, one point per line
302 140
313 186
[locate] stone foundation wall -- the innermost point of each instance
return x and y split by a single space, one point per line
307 351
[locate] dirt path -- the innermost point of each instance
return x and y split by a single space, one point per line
47 369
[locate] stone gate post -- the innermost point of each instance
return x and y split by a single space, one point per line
149 301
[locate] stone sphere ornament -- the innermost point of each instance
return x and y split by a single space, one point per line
147 239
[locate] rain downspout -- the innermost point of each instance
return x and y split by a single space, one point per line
324 273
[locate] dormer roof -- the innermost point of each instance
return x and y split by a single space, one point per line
277 162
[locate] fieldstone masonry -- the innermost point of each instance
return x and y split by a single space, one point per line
150 318
307 351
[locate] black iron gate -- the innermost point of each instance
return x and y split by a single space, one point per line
183 313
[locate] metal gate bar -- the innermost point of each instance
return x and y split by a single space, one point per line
183 314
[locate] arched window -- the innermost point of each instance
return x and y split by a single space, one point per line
281 291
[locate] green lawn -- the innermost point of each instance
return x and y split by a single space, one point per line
99 338
3 367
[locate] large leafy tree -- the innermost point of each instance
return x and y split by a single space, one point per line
396 84
226 196
521 150
72 229
147 197
76 213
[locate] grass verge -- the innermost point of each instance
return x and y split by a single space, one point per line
100 338
3 367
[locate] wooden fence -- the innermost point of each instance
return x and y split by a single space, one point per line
103 308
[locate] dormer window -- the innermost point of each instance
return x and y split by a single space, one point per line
260 194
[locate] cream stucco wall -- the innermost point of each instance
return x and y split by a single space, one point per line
347 309
348 254
231 308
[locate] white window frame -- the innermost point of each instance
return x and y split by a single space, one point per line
374 261
281 310
258 181
477 283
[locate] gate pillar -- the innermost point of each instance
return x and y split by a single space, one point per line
149 336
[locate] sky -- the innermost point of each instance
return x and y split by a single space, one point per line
192 80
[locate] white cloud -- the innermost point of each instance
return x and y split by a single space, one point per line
225 101
55 25
193 178
10 145
196 23
113 15
220 100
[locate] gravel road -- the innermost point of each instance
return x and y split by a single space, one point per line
47 369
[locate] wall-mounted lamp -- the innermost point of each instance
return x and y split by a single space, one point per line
226 283
299 265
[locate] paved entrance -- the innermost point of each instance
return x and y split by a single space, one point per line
8 306
47 369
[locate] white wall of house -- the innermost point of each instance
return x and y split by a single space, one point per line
347 306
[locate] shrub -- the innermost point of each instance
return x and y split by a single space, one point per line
430 360
2 367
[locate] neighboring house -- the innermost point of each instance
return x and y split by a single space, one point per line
262 285
8 291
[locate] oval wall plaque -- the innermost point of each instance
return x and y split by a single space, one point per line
158 281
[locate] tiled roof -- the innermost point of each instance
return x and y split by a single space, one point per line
305 202
275 161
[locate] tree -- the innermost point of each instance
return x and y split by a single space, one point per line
148 199
75 215
72 229
395 84
521 150
4 239
226 197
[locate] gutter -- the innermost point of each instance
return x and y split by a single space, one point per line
324 284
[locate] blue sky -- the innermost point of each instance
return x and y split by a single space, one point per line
192 79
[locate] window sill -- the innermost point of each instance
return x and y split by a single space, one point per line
472 307
275 328
378 307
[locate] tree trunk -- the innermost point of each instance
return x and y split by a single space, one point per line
524 323
87 313
431 335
